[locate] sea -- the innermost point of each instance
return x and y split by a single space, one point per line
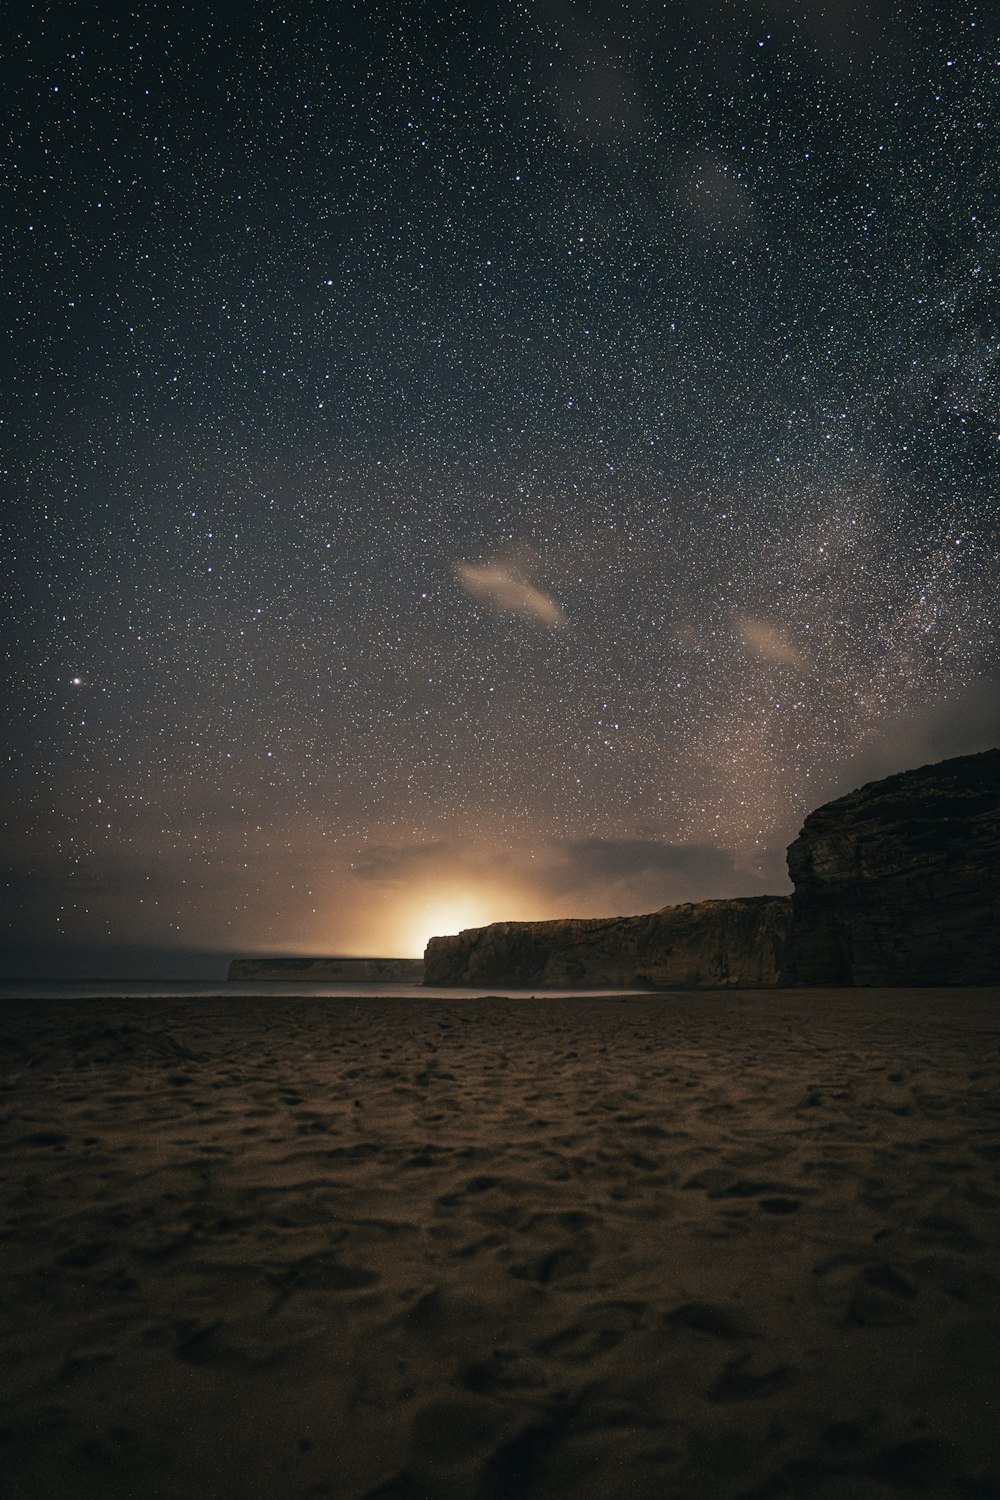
95 989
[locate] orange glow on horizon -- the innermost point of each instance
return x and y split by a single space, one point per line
446 912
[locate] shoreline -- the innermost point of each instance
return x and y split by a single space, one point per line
22 991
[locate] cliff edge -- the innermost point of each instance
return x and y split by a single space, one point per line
709 945
897 883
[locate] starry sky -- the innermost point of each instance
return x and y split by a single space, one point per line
481 461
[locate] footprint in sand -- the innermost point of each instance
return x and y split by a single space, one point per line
740 1381
556 1262
503 1371
598 1328
868 1295
718 1183
709 1317
321 1273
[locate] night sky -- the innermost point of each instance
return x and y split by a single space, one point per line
486 461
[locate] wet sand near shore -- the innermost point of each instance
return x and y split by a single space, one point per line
712 1246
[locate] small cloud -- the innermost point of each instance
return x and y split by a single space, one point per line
604 877
497 585
598 860
568 877
713 195
770 643
388 864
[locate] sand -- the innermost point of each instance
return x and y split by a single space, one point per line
693 1245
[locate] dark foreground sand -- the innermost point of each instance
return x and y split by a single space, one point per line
663 1248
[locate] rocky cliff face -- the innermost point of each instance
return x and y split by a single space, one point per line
896 884
899 882
704 946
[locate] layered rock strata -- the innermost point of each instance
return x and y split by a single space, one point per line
709 945
899 882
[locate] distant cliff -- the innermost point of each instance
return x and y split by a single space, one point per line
896 884
899 882
331 970
703 946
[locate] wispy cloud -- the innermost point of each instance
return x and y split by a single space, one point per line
566 877
502 589
770 643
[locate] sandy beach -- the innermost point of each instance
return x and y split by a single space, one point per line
665 1247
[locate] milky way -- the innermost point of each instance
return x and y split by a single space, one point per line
540 455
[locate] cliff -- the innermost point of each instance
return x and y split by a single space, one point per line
704 946
899 882
328 970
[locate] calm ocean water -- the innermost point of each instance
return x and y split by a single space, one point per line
83 989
